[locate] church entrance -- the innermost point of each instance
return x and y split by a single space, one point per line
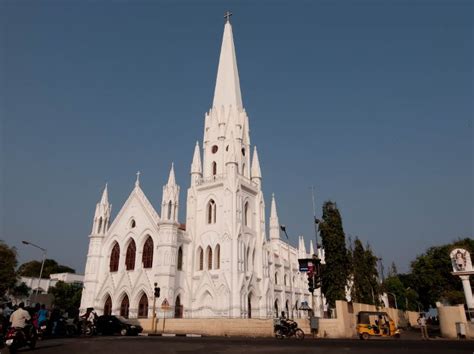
178 308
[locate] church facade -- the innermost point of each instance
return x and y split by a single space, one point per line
221 262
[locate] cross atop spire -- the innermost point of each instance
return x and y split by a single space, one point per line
137 182
227 16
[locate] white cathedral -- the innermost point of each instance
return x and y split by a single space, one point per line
220 263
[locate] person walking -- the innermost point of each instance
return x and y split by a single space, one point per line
423 326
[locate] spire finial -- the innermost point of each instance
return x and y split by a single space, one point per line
171 178
227 16
105 196
137 182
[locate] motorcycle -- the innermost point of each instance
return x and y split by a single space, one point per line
17 338
287 328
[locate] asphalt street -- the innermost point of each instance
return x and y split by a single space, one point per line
210 345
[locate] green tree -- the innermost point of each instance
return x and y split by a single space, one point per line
335 271
8 263
21 290
365 287
66 296
431 275
33 268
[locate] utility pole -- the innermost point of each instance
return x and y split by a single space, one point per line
316 250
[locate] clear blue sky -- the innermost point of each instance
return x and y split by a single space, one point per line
370 101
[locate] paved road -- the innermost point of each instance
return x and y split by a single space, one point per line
211 345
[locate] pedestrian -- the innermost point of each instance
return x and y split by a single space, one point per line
423 327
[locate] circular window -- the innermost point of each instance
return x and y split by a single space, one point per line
243 152
214 149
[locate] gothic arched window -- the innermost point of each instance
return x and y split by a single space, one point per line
124 307
217 263
211 212
169 210
214 168
180 258
130 256
201 258
114 258
108 306
143 307
147 256
133 224
276 278
209 257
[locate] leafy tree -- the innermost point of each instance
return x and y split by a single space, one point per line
431 275
335 271
365 287
8 263
21 290
66 296
33 268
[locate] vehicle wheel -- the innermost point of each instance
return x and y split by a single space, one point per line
88 332
12 350
32 343
279 334
397 335
364 336
299 334
123 332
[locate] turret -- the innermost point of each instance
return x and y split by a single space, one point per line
274 223
256 172
301 248
311 248
102 215
170 200
196 166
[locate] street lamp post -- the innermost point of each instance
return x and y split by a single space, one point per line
42 263
395 297
283 228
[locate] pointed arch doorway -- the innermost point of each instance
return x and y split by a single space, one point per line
178 308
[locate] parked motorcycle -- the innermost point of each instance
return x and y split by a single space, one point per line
17 338
287 328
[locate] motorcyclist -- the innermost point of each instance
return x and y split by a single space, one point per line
88 317
18 320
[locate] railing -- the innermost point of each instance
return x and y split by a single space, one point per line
221 177
210 179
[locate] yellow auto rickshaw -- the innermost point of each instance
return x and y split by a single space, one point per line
377 324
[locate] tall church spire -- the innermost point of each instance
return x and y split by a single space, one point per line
227 91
